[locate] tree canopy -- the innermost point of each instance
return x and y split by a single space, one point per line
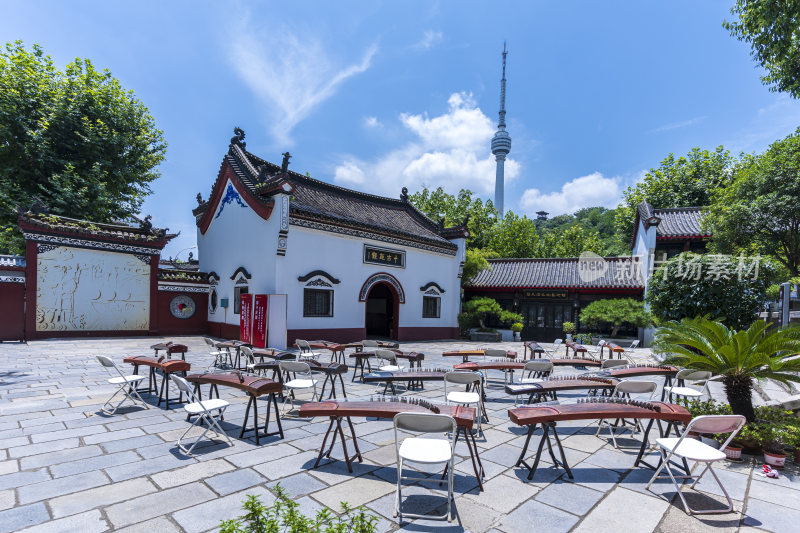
678 182
722 287
615 313
76 139
772 27
759 212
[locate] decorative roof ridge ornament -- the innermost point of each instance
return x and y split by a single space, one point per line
38 207
285 163
238 137
404 195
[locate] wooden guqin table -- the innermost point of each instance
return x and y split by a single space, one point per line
632 371
166 367
338 411
362 358
548 416
548 388
534 348
332 371
254 386
466 354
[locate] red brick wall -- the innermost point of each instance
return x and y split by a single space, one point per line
12 311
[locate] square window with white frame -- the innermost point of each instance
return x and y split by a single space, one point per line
431 306
317 302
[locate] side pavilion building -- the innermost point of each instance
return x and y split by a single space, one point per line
350 264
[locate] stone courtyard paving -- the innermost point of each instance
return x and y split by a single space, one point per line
64 466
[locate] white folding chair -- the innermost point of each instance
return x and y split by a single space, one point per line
250 360
305 350
534 371
127 385
595 352
424 452
551 353
369 343
644 390
204 410
695 450
627 354
611 363
462 397
697 377
220 355
291 370
498 354
387 361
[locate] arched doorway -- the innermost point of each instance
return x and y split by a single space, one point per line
381 311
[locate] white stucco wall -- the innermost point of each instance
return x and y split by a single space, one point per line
341 256
239 237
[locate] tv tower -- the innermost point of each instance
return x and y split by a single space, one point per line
501 143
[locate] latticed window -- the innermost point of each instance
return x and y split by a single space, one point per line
237 298
431 306
317 302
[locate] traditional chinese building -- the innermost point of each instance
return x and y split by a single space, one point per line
338 264
549 292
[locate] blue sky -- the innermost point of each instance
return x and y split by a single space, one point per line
377 96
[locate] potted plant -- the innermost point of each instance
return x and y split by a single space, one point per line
793 440
772 444
516 327
569 329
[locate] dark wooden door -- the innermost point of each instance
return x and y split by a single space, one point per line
543 321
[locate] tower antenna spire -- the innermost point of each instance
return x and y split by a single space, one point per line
501 142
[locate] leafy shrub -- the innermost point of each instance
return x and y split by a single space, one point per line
483 308
568 327
615 313
516 327
284 515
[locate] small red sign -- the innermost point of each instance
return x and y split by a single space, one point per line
260 321
246 319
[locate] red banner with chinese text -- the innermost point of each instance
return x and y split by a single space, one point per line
260 321
246 319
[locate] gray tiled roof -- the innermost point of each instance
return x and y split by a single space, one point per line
317 200
557 273
680 222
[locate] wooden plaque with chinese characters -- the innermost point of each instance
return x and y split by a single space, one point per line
384 256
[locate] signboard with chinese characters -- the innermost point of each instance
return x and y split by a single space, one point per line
555 295
260 321
384 256
246 319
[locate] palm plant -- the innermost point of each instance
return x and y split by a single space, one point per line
739 356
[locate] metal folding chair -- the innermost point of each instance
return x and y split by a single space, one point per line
220 355
695 450
291 369
460 397
424 451
611 363
127 385
305 350
698 377
624 389
627 354
204 411
551 353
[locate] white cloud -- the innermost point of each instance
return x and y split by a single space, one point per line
372 122
291 76
586 191
678 125
769 124
450 151
429 39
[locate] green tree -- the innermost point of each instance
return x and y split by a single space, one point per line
760 211
439 205
772 27
475 262
74 138
739 356
514 236
677 182
691 285
570 242
483 308
615 313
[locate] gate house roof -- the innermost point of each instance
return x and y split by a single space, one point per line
557 273
671 223
331 205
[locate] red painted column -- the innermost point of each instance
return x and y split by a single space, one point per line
31 255
154 309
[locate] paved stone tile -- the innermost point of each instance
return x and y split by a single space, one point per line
93 463
143 468
67 433
15 441
569 497
208 515
61 456
286 466
503 493
771 492
9 467
545 517
229 482
157 504
88 522
191 473
131 444
156 525
101 496
18 479
22 517
44 447
613 514
6 499
299 484
596 478
356 492
59 486
262 454
113 435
